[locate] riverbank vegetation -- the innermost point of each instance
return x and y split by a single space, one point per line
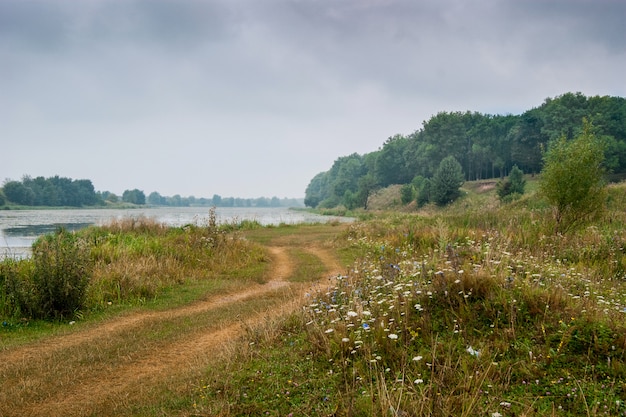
485 306
126 262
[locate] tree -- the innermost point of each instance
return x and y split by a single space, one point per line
390 163
513 186
572 179
18 193
134 197
447 181
156 199
407 193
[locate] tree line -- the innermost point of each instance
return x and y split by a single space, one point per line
65 192
484 146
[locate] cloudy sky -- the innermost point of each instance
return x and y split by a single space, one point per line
251 98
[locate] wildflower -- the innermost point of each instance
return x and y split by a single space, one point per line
345 340
329 331
352 313
417 358
472 351
418 381
366 326
393 336
418 307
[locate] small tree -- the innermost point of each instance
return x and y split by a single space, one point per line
447 181
513 186
407 193
572 179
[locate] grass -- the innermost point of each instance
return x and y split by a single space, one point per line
476 309
463 312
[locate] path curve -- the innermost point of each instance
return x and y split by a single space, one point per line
85 396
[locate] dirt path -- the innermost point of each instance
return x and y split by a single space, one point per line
88 391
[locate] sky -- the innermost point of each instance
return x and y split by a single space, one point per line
253 98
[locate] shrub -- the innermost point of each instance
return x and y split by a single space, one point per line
62 269
513 187
572 180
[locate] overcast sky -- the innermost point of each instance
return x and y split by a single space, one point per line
251 98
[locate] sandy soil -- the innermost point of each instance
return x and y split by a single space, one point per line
112 388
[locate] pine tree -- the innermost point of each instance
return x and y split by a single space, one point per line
447 181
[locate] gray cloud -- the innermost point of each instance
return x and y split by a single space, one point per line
255 97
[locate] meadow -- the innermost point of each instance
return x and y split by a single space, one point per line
479 308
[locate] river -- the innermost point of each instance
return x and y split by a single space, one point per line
20 228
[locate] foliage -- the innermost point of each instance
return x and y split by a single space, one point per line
513 186
61 272
134 196
407 193
126 261
487 146
447 181
53 191
573 179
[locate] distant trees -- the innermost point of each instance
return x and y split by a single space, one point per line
486 146
53 191
134 196
572 179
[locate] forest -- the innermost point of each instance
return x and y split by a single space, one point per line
484 145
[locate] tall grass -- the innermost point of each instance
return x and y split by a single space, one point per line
129 260
462 312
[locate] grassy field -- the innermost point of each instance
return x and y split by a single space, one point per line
475 309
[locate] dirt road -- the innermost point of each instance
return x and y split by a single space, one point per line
119 360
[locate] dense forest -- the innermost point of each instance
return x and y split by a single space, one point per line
485 146
65 192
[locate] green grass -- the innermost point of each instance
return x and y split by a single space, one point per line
475 309
400 334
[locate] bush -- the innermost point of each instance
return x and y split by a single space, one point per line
513 187
61 272
572 180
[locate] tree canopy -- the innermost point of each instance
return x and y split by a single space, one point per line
486 146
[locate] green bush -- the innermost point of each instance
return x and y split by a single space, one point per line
61 272
513 187
572 179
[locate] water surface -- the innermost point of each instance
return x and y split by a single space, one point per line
20 228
